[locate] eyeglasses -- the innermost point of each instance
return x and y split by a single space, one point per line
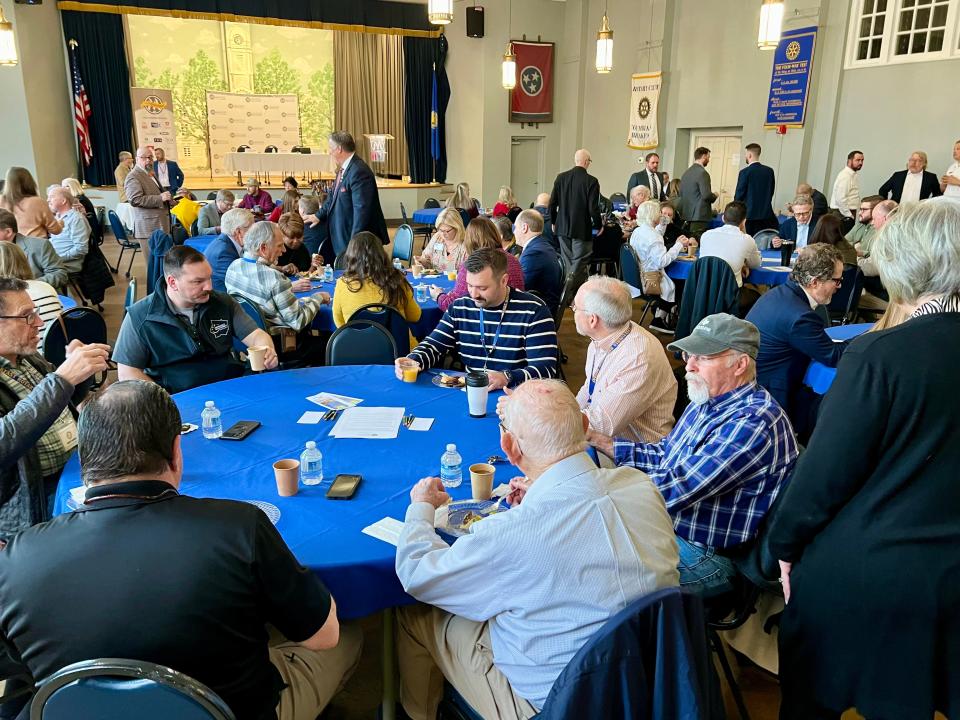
700 359
30 318
837 281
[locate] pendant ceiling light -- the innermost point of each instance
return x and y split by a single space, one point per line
509 68
440 12
771 23
8 47
604 46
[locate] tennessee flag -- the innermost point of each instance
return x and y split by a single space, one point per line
531 100
434 121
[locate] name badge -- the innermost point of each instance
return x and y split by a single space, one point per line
68 436
438 246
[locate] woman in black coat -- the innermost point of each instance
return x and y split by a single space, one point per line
868 530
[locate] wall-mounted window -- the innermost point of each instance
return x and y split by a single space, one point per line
897 31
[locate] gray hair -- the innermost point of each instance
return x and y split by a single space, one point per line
545 418
224 195
608 299
815 262
62 192
638 190
259 236
649 213
803 200
125 155
918 251
343 140
127 430
235 219
309 205
10 285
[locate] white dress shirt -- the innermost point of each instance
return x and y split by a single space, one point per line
163 175
735 247
846 193
653 255
911 187
653 182
953 190
550 572
803 235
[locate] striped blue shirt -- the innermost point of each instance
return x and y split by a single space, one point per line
721 467
519 339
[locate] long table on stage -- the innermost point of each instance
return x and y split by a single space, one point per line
277 163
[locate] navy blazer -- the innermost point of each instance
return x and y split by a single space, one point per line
220 253
642 177
174 175
541 271
788 229
355 206
791 335
548 227
755 186
893 188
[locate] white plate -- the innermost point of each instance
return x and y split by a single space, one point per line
272 511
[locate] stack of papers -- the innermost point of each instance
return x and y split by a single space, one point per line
369 423
388 529
331 401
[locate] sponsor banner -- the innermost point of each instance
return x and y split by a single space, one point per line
153 119
258 121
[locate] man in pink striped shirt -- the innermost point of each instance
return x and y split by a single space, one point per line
630 390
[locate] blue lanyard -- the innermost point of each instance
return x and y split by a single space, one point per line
595 371
496 336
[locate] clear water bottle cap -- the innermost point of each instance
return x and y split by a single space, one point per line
209 403
311 444
451 448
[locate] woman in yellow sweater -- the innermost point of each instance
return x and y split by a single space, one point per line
368 277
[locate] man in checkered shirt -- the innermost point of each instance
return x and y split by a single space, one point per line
723 464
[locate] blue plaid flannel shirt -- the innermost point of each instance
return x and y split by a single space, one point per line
721 467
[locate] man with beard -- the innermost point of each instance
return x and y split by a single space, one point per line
723 464
181 335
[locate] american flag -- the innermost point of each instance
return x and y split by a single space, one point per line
81 111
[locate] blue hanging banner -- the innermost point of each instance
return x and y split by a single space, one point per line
790 80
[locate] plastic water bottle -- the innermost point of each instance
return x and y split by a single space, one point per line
327 274
311 465
397 264
451 473
210 421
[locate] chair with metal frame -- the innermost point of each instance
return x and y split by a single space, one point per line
120 233
361 342
403 244
80 323
390 318
843 307
425 230
631 275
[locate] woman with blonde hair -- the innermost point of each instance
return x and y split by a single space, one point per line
14 263
506 202
20 196
462 201
445 251
481 233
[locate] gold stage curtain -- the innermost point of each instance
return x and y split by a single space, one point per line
368 94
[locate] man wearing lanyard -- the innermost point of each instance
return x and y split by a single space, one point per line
508 333
630 390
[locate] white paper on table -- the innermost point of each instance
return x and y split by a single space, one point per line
310 418
421 424
388 529
332 401
369 423
634 292
500 490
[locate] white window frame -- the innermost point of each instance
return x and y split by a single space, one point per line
888 56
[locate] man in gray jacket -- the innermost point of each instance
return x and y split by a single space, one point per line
44 261
696 196
37 429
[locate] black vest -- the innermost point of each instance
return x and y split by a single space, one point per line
184 355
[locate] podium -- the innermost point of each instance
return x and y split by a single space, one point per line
378 147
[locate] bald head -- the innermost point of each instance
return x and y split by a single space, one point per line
581 158
145 157
804 189
880 212
543 199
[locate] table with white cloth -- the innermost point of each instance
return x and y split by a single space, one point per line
250 163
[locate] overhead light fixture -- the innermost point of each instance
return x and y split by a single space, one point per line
509 68
8 46
604 45
440 12
771 24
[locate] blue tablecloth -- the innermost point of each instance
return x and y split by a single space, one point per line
67 302
819 377
764 275
426 216
429 317
325 535
200 242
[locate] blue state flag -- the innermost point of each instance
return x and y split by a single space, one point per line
434 121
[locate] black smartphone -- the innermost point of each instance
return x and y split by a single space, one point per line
344 486
240 429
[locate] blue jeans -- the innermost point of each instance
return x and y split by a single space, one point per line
702 570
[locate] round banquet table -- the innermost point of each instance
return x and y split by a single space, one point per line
67 302
200 243
429 316
426 216
819 377
771 272
325 535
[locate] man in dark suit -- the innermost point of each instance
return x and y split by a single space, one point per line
820 205
696 195
913 184
575 209
228 246
792 333
796 231
540 263
168 173
542 206
649 176
755 186
354 203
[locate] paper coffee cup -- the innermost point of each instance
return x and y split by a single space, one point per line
287 473
257 354
481 481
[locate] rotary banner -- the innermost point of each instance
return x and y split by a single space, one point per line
153 119
644 98
531 101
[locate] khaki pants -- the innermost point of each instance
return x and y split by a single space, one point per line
313 677
433 645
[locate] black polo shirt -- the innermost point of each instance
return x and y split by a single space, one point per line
145 573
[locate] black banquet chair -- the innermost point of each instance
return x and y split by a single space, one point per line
631 274
846 301
120 233
391 319
80 323
361 342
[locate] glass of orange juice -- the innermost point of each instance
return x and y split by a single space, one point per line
410 370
